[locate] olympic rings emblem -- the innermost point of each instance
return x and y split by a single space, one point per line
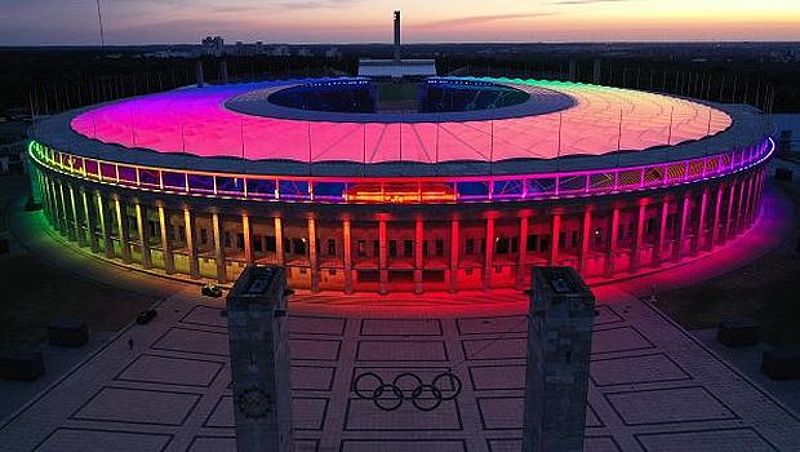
407 386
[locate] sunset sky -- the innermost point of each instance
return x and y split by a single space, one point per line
34 22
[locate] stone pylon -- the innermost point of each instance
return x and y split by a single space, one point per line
259 356
560 319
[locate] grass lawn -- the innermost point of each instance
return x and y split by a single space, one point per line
33 293
766 290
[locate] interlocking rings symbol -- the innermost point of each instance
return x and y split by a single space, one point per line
407 386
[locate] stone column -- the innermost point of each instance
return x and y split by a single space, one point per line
753 187
68 229
166 240
347 246
685 212
738 223
191 242
586 237
454 251
488 262
55 216
729 214
661 239
418 233
611 243
522 256
219 250
313 259
279 255
144 234
383 267
260 364
124 233
715 231
700 228
638 239
89 219
248 239
560 319
555 238
62 210
79 235
105 225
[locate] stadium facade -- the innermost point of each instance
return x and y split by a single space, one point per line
356 185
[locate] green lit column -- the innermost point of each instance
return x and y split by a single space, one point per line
105 225
89 219
55 213
80 237
66 228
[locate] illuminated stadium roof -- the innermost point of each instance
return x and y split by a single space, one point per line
197 121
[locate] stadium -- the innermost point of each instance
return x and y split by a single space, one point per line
357 184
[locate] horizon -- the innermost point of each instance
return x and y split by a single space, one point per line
175 22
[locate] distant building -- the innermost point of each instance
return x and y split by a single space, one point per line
333 52
260 50
213 46
304 52
280 50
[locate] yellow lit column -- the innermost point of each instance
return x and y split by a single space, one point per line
522 256
383 263
89 219
488 262
586 236
454 249
191 242
313 258
418 232
124 233
80 237
219 251
105 226
144 234
279 257
166 240
611 243
348 256
555 238
248 239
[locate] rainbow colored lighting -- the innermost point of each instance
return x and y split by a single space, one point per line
604 119
417 190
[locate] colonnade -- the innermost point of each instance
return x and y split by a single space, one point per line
435 249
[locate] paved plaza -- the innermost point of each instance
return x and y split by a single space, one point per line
653 386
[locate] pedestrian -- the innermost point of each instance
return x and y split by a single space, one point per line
130 343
